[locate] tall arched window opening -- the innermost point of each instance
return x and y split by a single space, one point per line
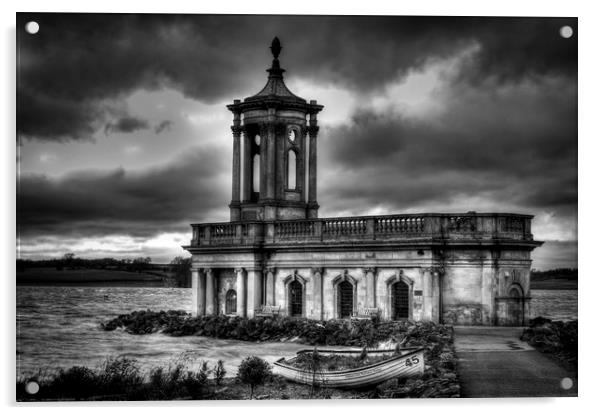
231 302
292 170
400 301
295 299
345 299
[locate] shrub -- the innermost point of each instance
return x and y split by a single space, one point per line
196 382
120 376
78 382
219 372
254 371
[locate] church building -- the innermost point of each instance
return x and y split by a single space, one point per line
276 254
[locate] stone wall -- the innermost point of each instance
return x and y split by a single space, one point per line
460 286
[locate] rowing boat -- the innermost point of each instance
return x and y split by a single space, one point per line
407 363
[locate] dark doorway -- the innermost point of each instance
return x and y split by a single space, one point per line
400 303
516 307
345 299
295 296
231 302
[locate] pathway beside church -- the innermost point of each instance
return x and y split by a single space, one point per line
494 362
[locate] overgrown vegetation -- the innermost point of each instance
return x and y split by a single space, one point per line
558 338
123 379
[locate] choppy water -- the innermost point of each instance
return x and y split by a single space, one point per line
554 304
58 327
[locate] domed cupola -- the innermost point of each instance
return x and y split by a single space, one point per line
273 130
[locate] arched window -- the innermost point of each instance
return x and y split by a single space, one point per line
400 301
292 170
256 166
295 299
231 302
345 299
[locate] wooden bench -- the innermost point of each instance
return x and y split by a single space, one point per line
366 313
267 311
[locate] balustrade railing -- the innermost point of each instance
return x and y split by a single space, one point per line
344 227
393 227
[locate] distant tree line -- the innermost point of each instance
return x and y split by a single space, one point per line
178 268
558 273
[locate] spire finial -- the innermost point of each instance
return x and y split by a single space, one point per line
276 48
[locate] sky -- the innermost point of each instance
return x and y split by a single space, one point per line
124 137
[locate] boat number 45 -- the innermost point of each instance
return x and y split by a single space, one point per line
413 361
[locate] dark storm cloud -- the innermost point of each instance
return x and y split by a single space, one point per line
83 64
91 203
126 125
519 149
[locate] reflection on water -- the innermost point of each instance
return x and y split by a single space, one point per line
59 327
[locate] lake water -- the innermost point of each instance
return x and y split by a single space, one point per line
58 327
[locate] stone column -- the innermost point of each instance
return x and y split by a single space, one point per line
254 279
280 131
263 161
241 292
198 293
301 162
427 294
247 172
235 205
271 162
318 284
312 191
210 292
437 313
270 277
370 287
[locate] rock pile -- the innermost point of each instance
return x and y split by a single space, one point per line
555 337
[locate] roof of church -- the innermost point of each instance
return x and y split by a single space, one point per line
275 87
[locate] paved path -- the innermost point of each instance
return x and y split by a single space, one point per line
494 362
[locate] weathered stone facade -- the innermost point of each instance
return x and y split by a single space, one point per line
466 269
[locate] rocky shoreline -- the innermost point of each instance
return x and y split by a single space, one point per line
558 339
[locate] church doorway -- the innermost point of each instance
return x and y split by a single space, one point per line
400 301
295 295
516 306
345 299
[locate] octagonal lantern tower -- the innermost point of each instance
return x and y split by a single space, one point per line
276 131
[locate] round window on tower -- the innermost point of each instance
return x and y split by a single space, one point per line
292 135
257 139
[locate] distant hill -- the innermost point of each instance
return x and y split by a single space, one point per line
555 279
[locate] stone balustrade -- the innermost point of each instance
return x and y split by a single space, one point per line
438 227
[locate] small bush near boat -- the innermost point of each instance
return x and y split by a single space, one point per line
253 371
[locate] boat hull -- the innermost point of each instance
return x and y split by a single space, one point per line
408 364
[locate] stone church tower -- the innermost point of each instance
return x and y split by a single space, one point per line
272 126
277 257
